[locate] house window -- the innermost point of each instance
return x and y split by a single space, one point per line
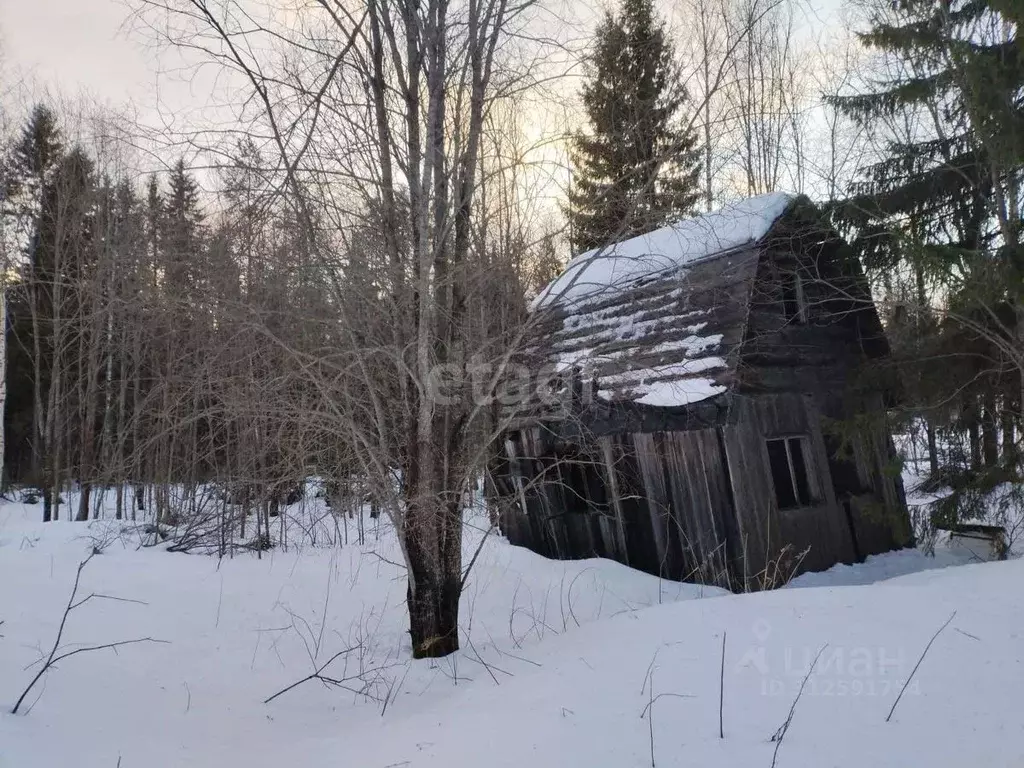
788 463
793 302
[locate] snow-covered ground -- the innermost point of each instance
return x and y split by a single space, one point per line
560 663
890 565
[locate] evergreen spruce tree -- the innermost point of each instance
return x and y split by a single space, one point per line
181 232
943 206
636 168
939 188
35 154
29 169
51 204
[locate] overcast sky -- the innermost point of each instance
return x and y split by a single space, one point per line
70 47
76 44
73 48
81 44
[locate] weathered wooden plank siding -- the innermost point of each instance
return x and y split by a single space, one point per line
876 498
616 540
764 529
701 505
646 500
658 519
687 492
817 359
700 500
638 534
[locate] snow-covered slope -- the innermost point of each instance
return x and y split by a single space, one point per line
560 661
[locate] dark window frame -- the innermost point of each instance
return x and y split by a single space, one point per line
791 472
794 301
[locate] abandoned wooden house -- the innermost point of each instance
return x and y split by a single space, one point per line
682 405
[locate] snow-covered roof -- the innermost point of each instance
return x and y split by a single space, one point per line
657 320
596 273
667 341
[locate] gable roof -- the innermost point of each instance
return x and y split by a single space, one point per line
657 320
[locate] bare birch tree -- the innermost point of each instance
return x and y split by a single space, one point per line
378 136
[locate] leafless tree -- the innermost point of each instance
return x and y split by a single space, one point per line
381 141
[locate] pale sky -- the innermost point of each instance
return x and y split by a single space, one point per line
74 47
78 44
83 45
86 48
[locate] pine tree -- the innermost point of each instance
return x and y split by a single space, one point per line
637 168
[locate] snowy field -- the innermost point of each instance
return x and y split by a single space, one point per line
563 664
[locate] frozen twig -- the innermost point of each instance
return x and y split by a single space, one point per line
667 695
650 720
476 554
54 656
318 674
721 693
780 734
97 596
489 667
914 670
648 710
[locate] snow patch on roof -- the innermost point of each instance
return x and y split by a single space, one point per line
568 354
673 384
679 392
608 269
